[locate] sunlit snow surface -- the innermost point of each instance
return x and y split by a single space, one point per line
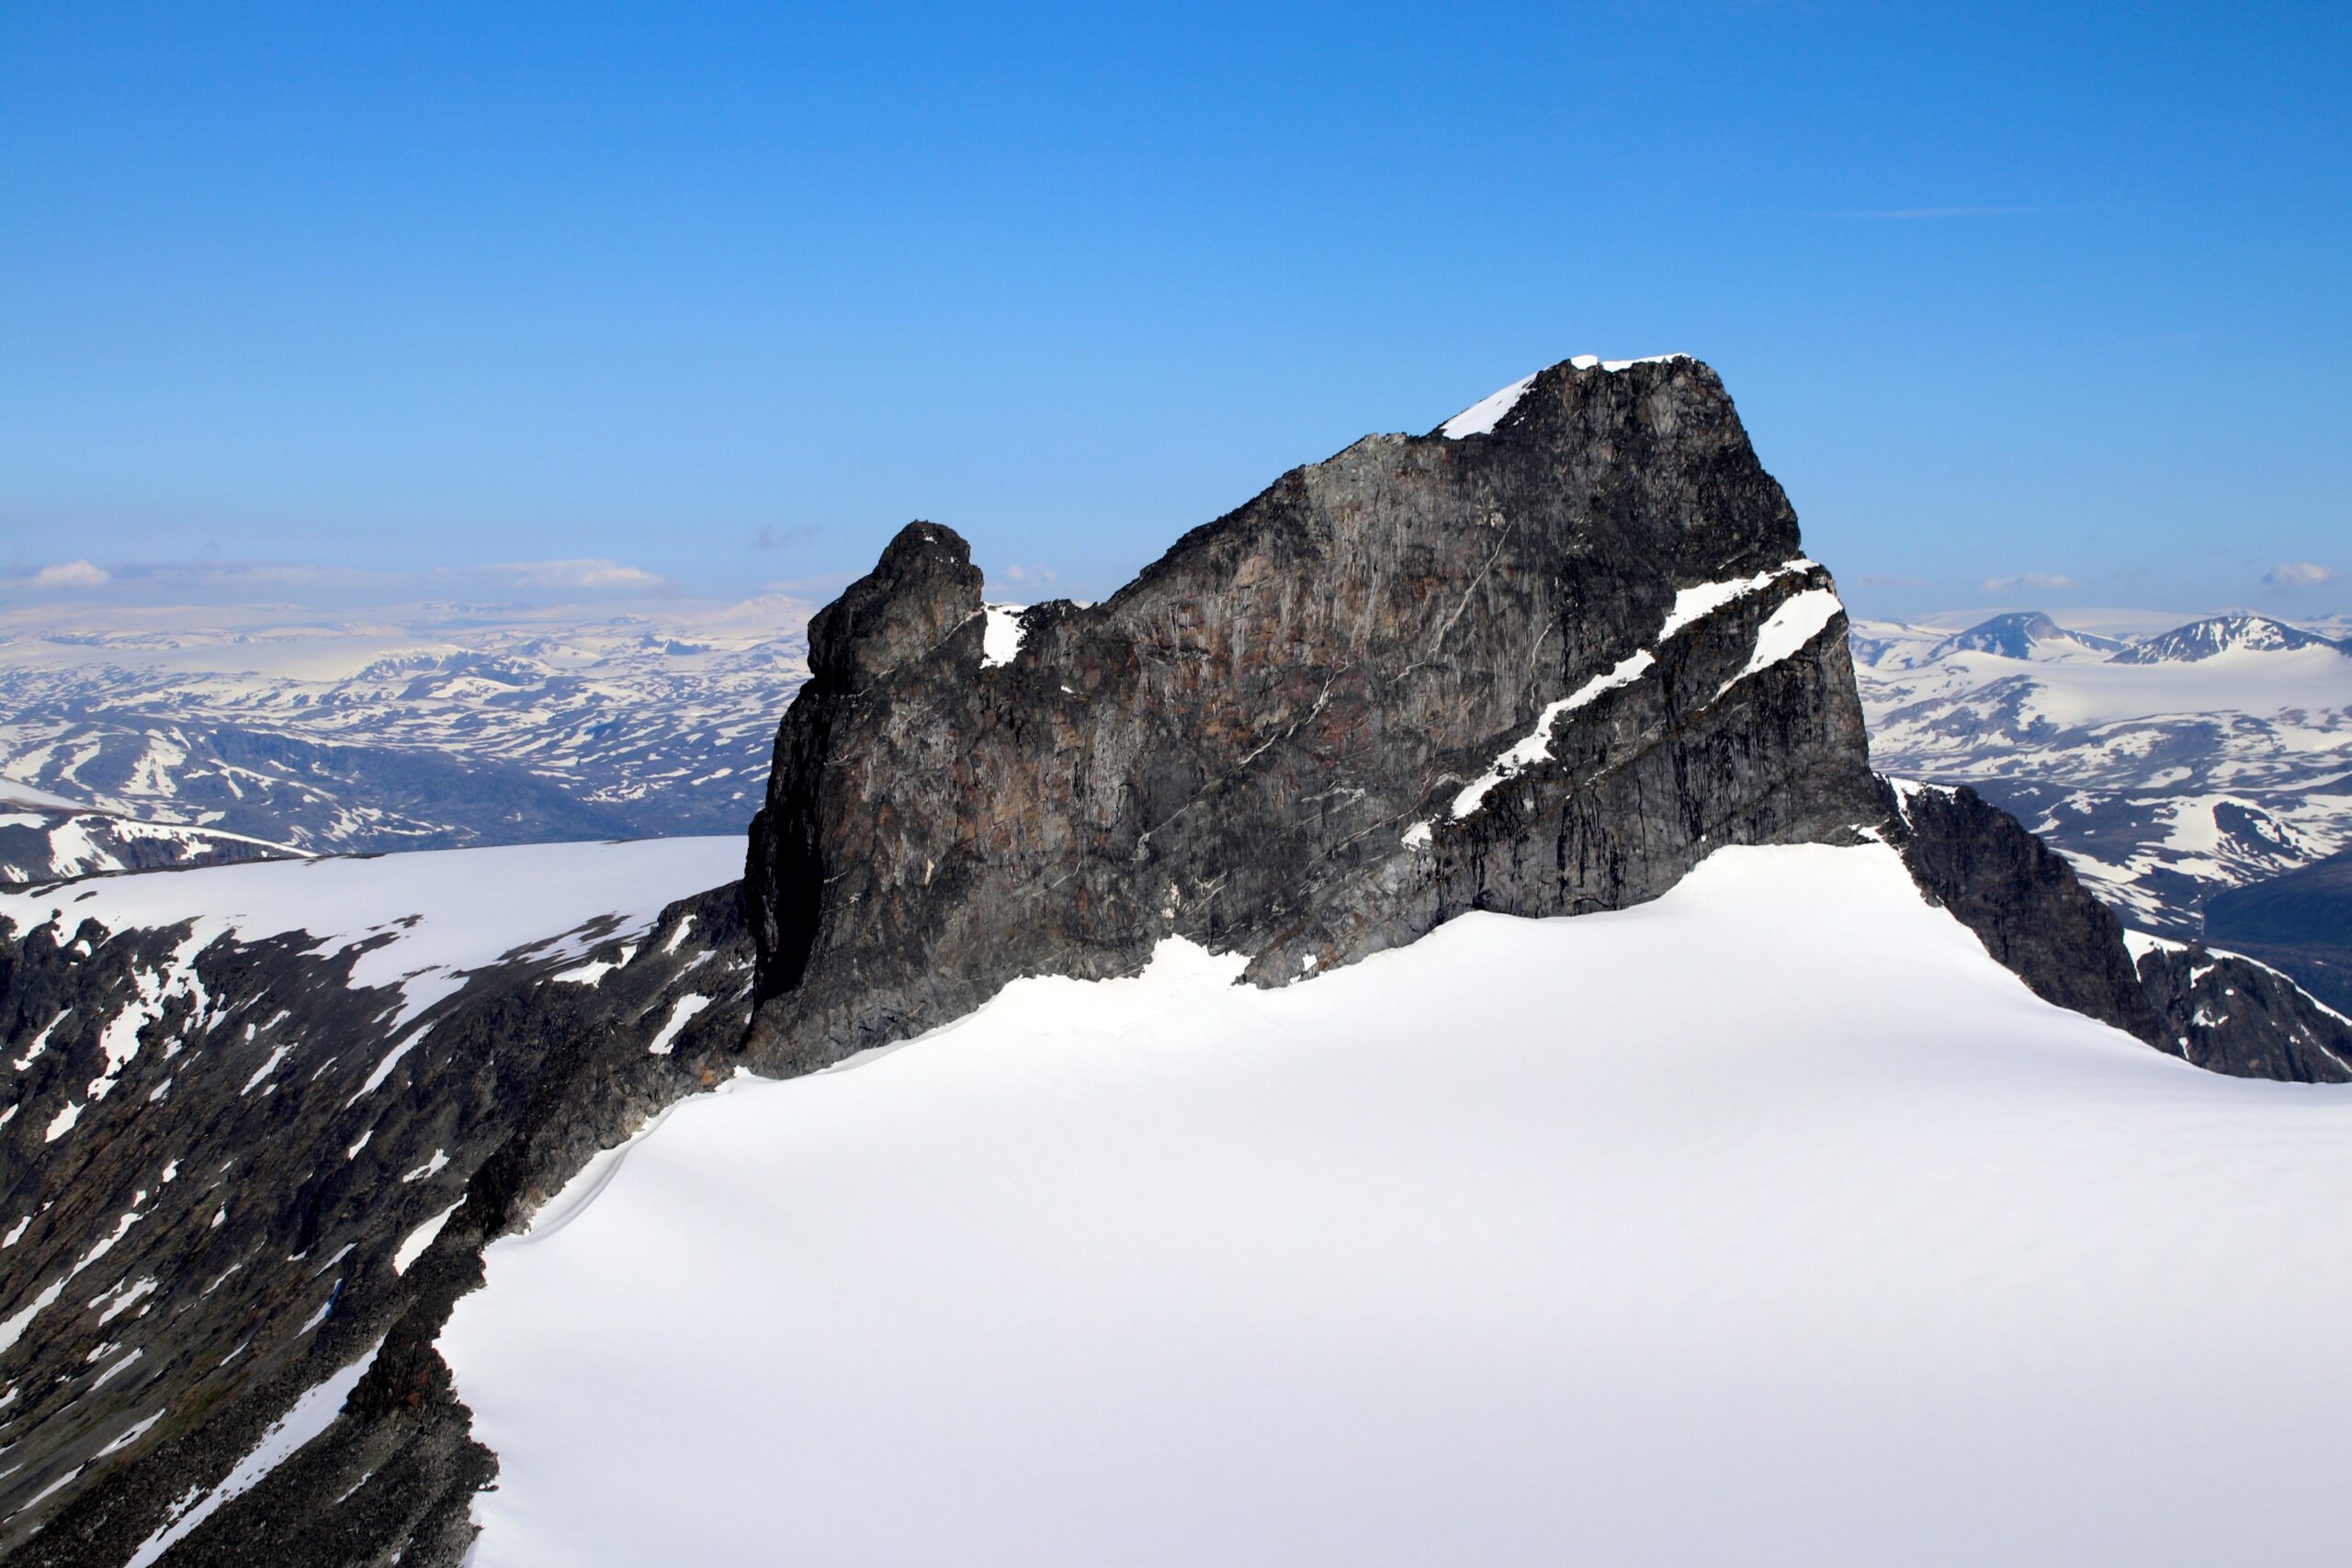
1767 1222
428 916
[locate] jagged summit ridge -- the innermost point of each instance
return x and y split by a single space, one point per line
1541 671
1481 417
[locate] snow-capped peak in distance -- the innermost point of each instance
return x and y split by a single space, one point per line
2027 634
2217 635
1481 417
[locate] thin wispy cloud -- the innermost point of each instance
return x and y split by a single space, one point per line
1908 214
2040 581
594 573
241 575
2298 574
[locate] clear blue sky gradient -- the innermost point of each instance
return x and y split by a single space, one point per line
727 292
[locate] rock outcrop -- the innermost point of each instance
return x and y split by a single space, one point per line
1542 667
2232 1014
2024 903
2299 922
245 1215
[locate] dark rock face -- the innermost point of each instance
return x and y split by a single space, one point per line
2299 922
2236 1016
1261 742
317 1167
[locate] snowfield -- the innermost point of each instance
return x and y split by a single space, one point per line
1767 1222
428 916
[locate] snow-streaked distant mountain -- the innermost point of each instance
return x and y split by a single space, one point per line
431 726
42 844
2220 636
2167 766
2027 636
1771 1221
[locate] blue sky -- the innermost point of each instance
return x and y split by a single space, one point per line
374 300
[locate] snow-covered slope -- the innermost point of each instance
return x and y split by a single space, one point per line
1770 1221
428 726
43 846
423 920
2203 757
239 1104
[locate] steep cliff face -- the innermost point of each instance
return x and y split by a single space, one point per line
1539 661
2232 1014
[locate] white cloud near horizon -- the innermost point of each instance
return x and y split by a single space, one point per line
2298 574
2042 581
594 573
70 574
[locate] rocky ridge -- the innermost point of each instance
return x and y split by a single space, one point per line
40 844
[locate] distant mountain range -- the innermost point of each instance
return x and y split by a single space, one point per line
433 726
2170 768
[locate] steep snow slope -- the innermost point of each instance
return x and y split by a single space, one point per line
1770 1222
423 919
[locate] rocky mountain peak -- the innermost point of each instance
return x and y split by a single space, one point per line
2022 634
1540 667
2218 635
923 589
1543 666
